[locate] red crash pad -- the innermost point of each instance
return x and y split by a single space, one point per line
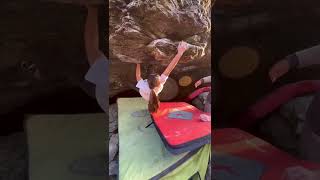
180 127
274 100
197 92
245 147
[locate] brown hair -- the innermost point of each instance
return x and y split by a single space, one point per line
154 103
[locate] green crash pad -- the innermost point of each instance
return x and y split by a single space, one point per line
142 154
67 147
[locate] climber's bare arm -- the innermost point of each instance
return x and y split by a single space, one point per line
181 49
91 35
138 72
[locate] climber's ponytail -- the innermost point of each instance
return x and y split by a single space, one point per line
154 102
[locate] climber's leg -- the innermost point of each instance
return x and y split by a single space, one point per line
91 35
98 72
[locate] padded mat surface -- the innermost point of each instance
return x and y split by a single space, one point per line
142 154
235 153
67 147
180 115
171 121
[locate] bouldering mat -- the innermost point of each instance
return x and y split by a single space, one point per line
142 154
274 100
67 147
180 127
238 155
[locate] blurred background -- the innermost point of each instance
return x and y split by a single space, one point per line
42 66
250 36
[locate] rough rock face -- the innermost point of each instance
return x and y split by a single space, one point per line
284 126
144 31
113 140
199 102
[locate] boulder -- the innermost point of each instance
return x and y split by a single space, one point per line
113 168
113 118
149 31
200 100
280 132
113 146
208 174
295 111
296 108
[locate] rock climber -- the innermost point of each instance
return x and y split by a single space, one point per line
207 101
96 79
151 87
95 85
309 139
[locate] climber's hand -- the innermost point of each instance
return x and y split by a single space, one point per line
198 83
278 70
205 117
183 46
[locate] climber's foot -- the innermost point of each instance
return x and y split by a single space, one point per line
205 117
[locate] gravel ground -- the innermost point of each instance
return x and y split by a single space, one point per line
13 157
